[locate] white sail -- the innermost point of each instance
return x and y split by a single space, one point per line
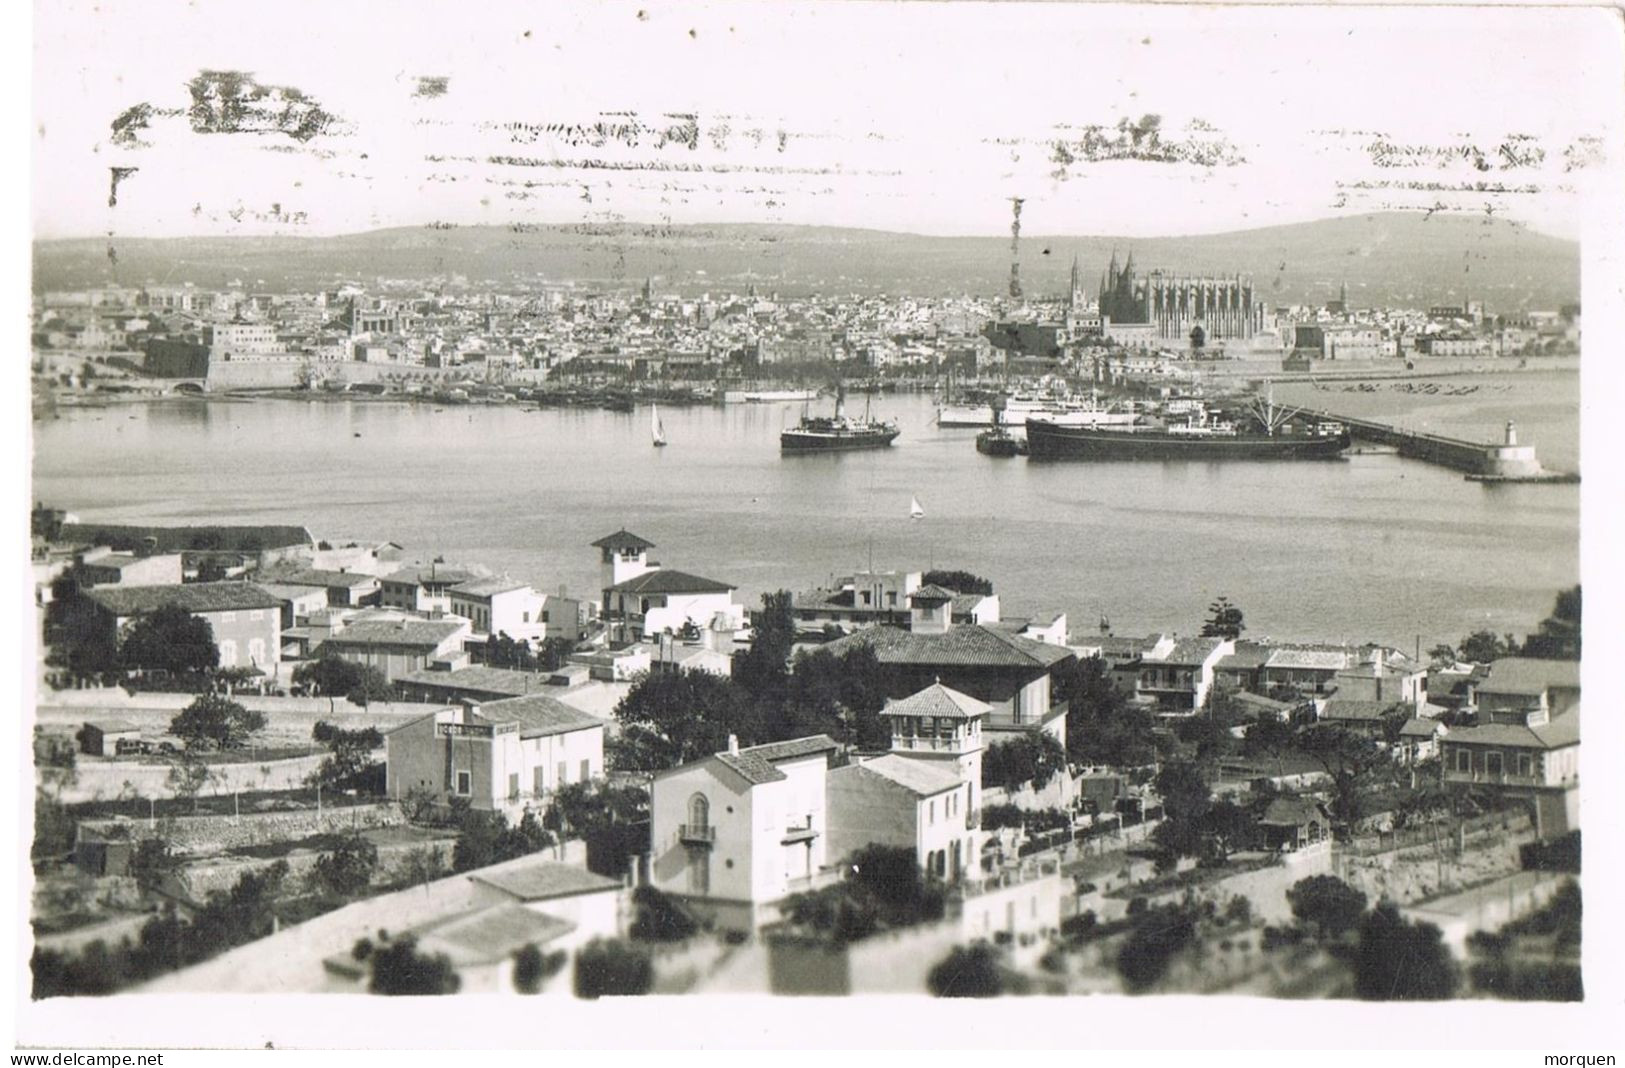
657 428
914 509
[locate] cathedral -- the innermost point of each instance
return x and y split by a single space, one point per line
1223 308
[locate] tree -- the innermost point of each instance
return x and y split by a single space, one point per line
1327 904
659 918
612 968
1186 801
1101 726
485 838
763 669
399 969
370 686
579 809
1224 620
967 972
1558 637
958 581
505 652
672 717
532 967
352 752
555 653
1158 935
188 775
347 869
170 639
331 675
1352 760
152 861
215 722
1034 758
1401 961
836 695
1227 827
1483 646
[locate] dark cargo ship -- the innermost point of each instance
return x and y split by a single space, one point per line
838 434
1276 436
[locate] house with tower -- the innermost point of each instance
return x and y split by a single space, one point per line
925 793
643 599
1009 673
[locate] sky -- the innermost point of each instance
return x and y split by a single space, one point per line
923 117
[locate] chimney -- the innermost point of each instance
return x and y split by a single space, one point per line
733 744
471 709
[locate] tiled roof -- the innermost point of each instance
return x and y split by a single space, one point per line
539 715
288 593
488 587
1350 709
310 576
939 701
426 574
755 769
489 935
933 592
1247 656
795 747
962 646
195 538
112 726
667 581
916 776
1314 659
425 632
1560 732
965 603
194 597
1517 675
1119 648
623 539
1187 651
1292 812
1420 728
479 678
534 878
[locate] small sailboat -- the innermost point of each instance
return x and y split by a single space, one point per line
914 509
656 427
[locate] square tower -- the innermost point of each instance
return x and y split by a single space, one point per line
624 556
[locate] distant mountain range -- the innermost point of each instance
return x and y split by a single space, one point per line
1391 259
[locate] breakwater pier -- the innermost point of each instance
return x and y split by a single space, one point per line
1503 461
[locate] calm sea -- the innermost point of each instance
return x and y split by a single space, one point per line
1371 547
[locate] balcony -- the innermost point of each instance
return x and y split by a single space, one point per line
1479 777
696 834
923 744
804 833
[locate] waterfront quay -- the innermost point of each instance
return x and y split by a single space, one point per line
1504 461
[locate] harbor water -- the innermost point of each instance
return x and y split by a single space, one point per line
1367 547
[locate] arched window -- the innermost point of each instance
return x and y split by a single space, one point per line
699 811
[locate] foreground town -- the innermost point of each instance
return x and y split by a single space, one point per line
272 762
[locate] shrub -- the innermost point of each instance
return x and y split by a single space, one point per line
612 968
399 969
971 972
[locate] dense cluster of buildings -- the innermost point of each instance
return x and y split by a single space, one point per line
1136 323
737 833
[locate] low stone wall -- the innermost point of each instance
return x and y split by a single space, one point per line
196 881
196 835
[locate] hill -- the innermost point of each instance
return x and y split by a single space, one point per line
1394 259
